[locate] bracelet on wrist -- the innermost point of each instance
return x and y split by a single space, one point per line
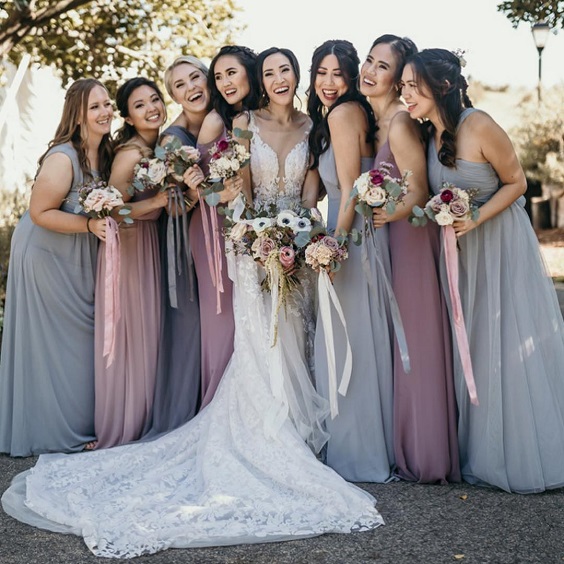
88 225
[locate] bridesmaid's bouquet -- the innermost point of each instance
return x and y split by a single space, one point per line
166 168
377 188
228 156
97 199
446 207
326 252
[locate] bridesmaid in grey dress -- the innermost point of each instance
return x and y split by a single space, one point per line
425 433
177 387
360 447
47 367
514 438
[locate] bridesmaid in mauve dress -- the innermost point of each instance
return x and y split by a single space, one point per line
177 387
47 368
425 436
233 69
125 383
514 438
360 447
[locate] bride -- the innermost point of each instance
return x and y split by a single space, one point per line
244 469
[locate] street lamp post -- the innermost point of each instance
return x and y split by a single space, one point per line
540 35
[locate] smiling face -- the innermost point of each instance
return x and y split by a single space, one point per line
99 113
418 99
189 88
145 108
377 74
231 79
330 83
279 79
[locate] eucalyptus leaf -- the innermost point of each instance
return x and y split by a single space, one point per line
160 152
390 208
212 199
417 211
242 133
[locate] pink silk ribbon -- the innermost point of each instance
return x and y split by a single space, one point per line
111 289
451 258
211 235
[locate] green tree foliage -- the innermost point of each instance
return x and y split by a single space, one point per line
104 38
534 11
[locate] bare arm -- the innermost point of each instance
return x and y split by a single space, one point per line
242 122
409 153
488 142
51 187
121 178
347 126
310 189
212 129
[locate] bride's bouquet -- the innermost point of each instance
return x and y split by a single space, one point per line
446 207
277 240
166 168
228 156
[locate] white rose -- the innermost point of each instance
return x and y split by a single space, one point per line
376 196
362 184
444 217
157 171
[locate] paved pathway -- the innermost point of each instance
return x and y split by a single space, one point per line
424 525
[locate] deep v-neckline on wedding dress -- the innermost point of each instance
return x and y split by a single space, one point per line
270 181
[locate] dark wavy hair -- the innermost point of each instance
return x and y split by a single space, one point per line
75 109
349 63
263 97
127 131
247 57
402 48
440 72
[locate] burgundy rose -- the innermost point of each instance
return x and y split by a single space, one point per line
222 145
447 195
376 177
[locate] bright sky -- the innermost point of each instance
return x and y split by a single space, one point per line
496 53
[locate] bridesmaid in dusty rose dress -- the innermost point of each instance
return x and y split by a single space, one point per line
425 443
125 386
234 88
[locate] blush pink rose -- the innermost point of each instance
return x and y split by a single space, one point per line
287 257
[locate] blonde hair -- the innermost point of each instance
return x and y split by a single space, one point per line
182 60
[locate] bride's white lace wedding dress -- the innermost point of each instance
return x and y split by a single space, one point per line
239 472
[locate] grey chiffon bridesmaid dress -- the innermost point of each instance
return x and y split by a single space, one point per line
360 447
47 362
514 438
177 384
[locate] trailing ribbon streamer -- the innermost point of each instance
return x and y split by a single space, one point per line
211 235
176 234
328 297
451 259
111 289
371 275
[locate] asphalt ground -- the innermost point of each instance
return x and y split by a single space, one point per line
431 524
425 524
